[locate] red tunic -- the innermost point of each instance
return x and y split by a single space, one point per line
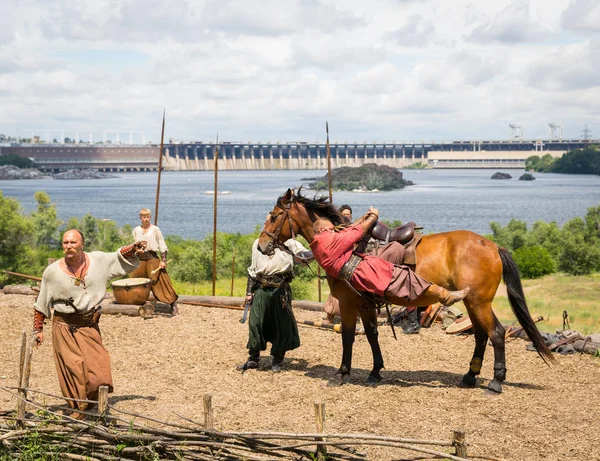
333 249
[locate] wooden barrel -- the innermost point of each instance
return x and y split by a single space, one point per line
131 291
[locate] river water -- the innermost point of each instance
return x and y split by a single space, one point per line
440 200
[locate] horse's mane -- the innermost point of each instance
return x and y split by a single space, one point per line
319 204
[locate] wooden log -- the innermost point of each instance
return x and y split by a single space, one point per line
217 301
335 327
458 440
221 306
124 309
320 420
214 301
21 290
589 347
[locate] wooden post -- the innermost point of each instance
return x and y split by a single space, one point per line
102 400
319 281
458 440
208 412
232 271
24 373
320 420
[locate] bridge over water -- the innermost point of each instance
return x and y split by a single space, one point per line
291 155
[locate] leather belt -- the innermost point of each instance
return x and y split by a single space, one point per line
77 320
347 270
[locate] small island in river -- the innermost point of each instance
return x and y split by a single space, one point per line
14 172
369 177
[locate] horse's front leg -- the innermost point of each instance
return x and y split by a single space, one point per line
349 315
369 319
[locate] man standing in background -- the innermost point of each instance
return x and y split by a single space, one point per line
153 262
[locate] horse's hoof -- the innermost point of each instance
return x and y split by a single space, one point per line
337 380
495 386
468 381
373 380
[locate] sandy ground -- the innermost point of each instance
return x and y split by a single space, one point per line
163 366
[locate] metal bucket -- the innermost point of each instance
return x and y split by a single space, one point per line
131 291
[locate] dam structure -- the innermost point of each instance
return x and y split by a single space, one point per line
200 156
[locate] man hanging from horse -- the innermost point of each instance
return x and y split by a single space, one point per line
398 284
387 244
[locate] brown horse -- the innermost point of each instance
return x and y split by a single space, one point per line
454 260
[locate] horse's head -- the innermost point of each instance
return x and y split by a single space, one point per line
293 215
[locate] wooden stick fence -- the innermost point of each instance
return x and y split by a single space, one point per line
104 436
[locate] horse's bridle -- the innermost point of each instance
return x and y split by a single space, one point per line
275 235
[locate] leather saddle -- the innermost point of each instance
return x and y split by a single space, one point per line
405 235
402 234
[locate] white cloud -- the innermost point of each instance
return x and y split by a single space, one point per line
582 15
511 25
276 70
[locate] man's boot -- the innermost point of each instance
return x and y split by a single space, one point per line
252 363
438 294
411 325
276 365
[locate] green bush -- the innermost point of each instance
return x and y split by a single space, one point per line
512 237
579 257
534 261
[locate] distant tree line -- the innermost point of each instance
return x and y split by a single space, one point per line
546 248
578 161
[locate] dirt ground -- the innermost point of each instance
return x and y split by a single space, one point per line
163 366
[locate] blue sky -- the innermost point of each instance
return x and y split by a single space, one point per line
275 70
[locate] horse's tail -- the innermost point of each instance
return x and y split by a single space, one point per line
516 298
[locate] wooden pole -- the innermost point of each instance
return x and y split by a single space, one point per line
329 182
25 276
320 420
329 164
216 192
160 157
208 412
102 400
458 440
232 271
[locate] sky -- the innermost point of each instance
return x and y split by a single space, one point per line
277 70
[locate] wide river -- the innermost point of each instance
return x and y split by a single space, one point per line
440 200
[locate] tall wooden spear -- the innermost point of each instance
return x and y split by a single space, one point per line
330 197
329 163
160 157
216 189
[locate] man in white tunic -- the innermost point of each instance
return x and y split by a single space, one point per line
153 262
73 287
271 316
